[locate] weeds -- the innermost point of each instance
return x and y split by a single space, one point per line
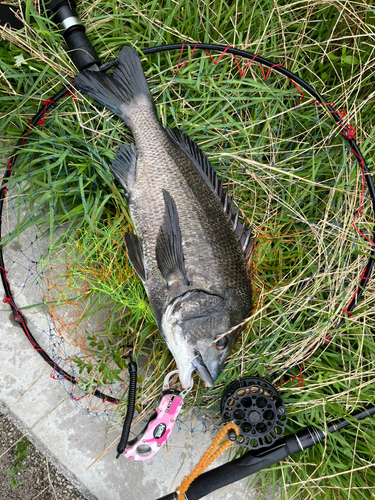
20 454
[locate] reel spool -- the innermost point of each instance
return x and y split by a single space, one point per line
257 409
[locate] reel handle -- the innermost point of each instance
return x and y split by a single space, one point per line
80 49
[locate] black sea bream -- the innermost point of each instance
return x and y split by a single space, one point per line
189 248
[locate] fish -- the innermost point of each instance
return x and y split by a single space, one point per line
189 247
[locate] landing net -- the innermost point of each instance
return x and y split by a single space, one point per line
283 159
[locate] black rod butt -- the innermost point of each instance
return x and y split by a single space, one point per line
82 53
170 496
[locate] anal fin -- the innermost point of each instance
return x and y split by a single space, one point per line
123 166
135 254
169 255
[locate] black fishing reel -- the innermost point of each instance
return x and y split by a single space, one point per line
257 409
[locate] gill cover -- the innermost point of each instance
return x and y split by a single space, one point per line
190 324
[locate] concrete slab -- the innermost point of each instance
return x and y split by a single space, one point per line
73 441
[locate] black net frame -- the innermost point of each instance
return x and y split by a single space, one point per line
346 132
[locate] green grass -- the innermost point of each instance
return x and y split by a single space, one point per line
286 166
20 454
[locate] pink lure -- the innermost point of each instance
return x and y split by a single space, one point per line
158 430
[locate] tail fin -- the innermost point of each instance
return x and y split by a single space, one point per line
117 92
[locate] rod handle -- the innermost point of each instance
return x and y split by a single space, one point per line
81 51
170 496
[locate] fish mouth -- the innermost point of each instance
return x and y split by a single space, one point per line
186 379
203 371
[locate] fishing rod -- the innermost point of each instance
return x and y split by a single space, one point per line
81 51
255 461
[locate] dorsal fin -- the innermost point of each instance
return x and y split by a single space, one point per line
204 167
196 155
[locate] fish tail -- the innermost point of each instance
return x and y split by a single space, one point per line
121 92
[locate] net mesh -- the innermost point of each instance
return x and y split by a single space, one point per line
287 167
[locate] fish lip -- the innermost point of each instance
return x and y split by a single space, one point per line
203 371
186 379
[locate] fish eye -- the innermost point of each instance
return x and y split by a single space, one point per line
221 343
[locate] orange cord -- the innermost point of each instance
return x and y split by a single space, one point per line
207 458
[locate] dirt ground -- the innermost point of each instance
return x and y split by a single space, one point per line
41 480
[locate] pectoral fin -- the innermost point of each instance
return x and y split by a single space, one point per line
169 255
135 254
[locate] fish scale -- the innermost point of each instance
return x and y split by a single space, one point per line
185 249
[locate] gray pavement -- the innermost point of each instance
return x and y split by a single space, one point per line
73 441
